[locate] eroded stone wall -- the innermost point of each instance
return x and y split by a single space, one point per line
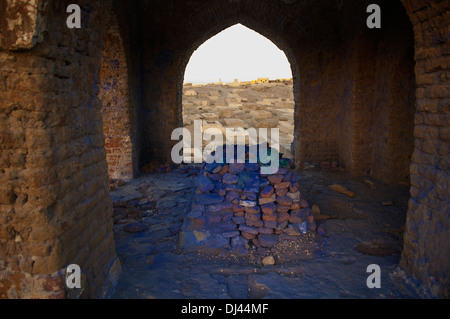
426 251
117 113
55 208
352 91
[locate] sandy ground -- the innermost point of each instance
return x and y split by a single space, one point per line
246 106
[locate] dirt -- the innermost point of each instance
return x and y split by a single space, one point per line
359 231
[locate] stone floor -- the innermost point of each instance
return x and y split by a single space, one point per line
363 230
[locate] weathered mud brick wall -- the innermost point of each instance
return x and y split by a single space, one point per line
346 109
118 116
352 90
426 251
235 205
54 203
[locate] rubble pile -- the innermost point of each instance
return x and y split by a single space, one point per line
235 207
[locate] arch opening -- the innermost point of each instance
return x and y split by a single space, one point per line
239 80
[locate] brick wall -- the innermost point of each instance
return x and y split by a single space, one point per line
54 203
426 251
117 114
353 101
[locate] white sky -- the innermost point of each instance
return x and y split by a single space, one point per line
237 53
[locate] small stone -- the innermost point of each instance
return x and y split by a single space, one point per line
224 170
248 229
264 230
294 196
229 178
239 214
270 199
249 196
238 208
283 209
217 170
267 191
275 179
294 187
284 200
252 209
231 187
251 216
268 240
269 217
247 235
238 220
282 192
310 219
232 195
267 261
269 208
282 225
254 223
247 203
282 185
292 231
269 224
236 168
210 167
281 217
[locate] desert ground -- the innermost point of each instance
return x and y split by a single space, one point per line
269 105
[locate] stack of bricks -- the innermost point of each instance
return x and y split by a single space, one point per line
236 206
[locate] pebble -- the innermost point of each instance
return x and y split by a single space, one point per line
267 261
275 179
229 178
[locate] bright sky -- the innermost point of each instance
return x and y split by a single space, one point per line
237 53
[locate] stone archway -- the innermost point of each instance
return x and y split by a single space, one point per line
54 201
246 22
